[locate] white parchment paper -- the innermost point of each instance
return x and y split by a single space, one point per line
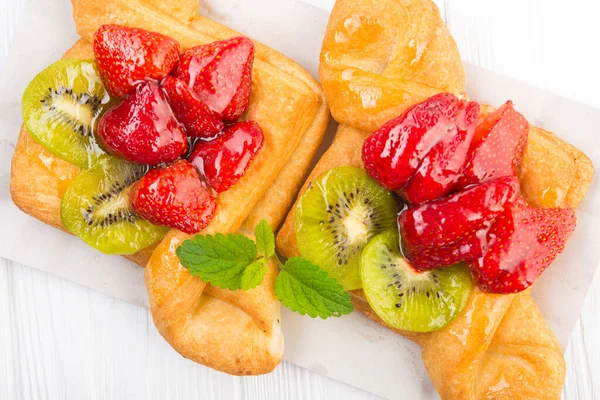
351 349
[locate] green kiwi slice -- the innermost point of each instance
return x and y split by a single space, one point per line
336 217
61 106
96 208
406 299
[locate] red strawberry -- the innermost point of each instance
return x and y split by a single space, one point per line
522 243
442 166
199 120
143 128
465 250
394 152
224 160
497 146
220 73
174 196
440 230
126 56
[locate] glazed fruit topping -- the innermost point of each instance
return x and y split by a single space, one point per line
522 243
220 74
224 160
423 151
435 234
463 193
199 120
497 146
174 196
143 128
126 56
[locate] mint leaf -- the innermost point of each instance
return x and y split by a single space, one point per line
265 240
253 274
219 260
305 288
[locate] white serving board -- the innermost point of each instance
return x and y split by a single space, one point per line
351 349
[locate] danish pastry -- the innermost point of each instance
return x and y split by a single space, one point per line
379 58
232 331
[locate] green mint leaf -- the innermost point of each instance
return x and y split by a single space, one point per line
254 273
305 288
265 240
219 260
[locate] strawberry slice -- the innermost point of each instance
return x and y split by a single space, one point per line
126 56
442 232
174 196
468 249
522 243
442 166
220 73
394 152
445 221
497 146
143 128
199 120
224 160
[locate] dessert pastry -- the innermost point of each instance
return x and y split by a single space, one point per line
58 171
478 187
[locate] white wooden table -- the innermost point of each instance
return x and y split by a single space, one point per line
59 340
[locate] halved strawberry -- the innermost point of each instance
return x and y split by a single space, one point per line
445 231
199 120
522 243
174 196
497 146
126 56
220 73
442 166
224 160
143 128
465 250
394 152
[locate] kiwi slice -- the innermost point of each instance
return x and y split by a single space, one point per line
96 208
336 217
61 106
406 299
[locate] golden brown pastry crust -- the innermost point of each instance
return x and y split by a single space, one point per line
500 347
376 61
233 331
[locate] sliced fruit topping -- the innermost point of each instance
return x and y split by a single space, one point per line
199 120
174 196
442 166
143 128
220 73
431 138
404 298
497 146
522 243
453 229
61 106
127 56
224 160
335 218
96 208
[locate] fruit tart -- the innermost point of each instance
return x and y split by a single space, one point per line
435 212
159 124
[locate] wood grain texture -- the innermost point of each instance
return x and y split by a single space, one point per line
59 340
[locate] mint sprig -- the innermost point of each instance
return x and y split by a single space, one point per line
236 262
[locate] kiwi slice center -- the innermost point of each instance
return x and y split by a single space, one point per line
357 229
108 209
77 110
